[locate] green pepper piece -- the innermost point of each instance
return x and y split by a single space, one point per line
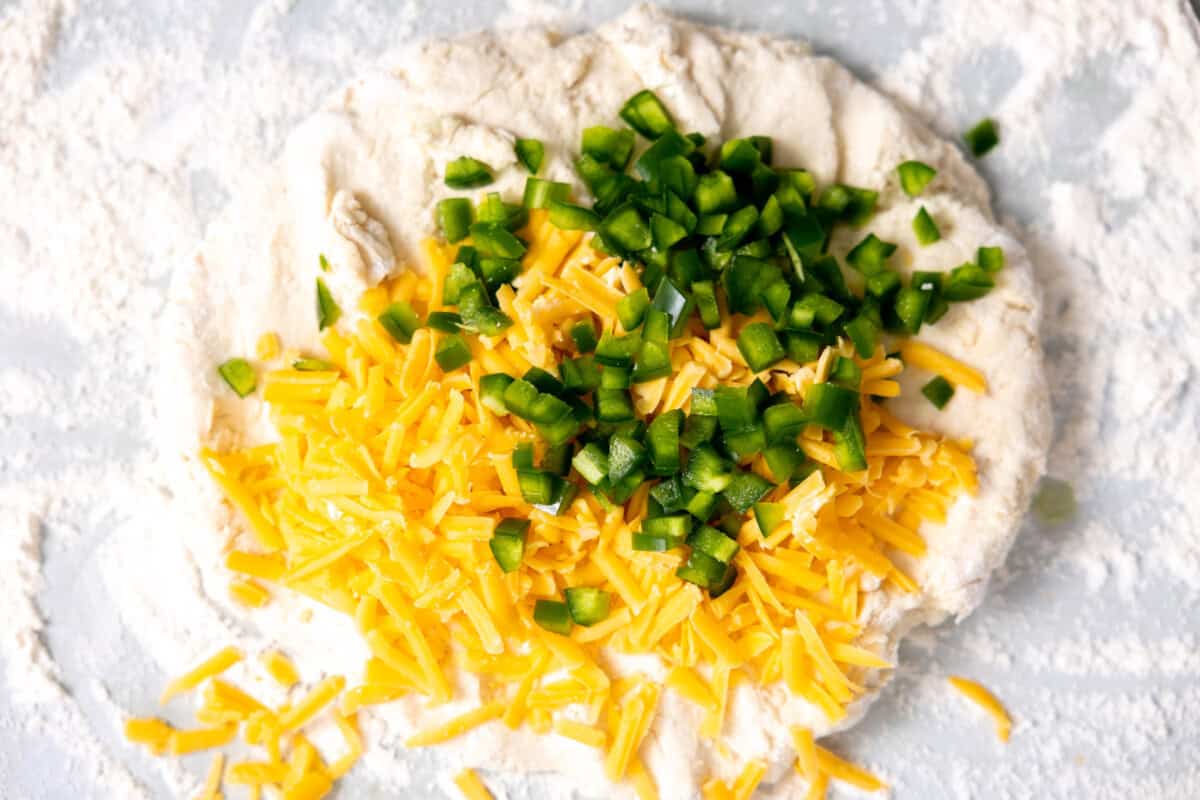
864 333
743 444
803 347
713 543
400 321
649 543
990 258
982 137
522 456
583 333
869 255
938 391
670 494
737 406
663 437
646 114
968 282
625 455
467 173
617 351
697 430
769 516
570 217
553 616
882 285
829 405
494 239
783 459
631 309
706 471
547 409
238 375
614 405
540 193
846 373
592 463
783 422
915 176
759 345
704 402
910 306
746 489
587 605
675 527
737 227
491 392
715 193
454 218
452 352
625 226
539 488
328 311
924 228
705 571
704 293
530 152
850 446
508 543
666 232
520 397
607 145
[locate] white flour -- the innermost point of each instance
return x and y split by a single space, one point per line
31 675
119 143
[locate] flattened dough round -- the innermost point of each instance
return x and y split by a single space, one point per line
378 149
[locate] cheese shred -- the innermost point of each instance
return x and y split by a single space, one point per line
471 786
982 697
215 665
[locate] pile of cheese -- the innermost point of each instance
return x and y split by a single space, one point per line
388 479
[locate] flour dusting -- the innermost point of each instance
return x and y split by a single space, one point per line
121 142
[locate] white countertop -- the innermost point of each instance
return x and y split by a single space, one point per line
1094 648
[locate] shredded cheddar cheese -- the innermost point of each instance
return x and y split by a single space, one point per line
584 734
182 742
643 784
456 726
267 347
806 753
293 766
922 356
249 593
388 479
818 787
471 786
154 734
280 668
839 769
215 665
979 695
212 782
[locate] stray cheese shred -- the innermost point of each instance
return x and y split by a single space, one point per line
280 668
210 667
471 786
922 356
363 505
212 782
839 769
456 726
982 697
